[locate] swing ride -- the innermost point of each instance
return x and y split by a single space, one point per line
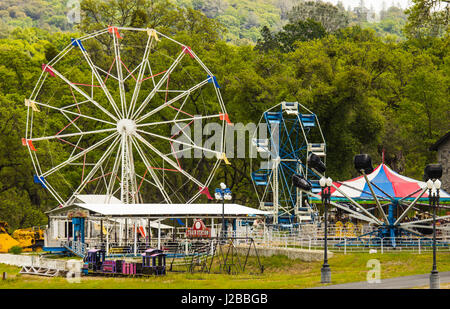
383 198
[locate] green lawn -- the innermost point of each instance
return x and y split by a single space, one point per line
280 273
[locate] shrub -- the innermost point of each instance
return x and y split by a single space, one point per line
15 250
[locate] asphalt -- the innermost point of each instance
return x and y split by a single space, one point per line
406 282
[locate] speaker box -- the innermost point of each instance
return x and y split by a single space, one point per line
363 162
301 182
315 162
433 171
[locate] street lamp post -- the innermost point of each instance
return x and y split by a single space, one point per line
433 172
325 184
433 196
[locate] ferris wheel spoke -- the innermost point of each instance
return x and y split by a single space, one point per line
71 134
86 180
73 113
168 160
151 171
163 79
113 176
79 155
170 102
143 179
100 81
195 118
84 94
141 73
119 74
179 142
208 181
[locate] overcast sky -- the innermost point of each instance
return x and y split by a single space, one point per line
377 4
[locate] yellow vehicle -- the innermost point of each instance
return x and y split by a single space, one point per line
30 238
6 241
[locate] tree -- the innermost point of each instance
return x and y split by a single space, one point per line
428 18
299 31
331 17
285 39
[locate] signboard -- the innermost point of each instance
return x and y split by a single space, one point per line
198 230
77 214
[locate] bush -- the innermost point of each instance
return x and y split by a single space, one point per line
15 250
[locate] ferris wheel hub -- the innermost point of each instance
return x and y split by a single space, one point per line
126 126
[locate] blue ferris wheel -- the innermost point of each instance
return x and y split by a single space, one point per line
291 133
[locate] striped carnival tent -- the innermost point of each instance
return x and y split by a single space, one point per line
386 184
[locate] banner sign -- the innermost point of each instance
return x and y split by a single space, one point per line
77 214
198 230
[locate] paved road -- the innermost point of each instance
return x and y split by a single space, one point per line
393 283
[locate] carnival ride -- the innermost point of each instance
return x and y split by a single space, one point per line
293 133
386 200
153 263
112 114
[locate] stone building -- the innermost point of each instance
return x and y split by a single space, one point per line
442 146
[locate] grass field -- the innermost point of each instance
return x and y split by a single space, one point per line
280 273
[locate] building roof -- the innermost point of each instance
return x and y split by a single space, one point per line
436 145
97 199
167 210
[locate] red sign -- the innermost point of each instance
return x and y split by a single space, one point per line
198 230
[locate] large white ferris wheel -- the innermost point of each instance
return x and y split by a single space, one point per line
113 114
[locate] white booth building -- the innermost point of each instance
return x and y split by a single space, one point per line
130 228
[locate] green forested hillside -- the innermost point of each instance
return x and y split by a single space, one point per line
242 19
45 14
369 93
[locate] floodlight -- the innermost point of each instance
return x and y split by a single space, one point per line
363 162
301 183
433 171
315 162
